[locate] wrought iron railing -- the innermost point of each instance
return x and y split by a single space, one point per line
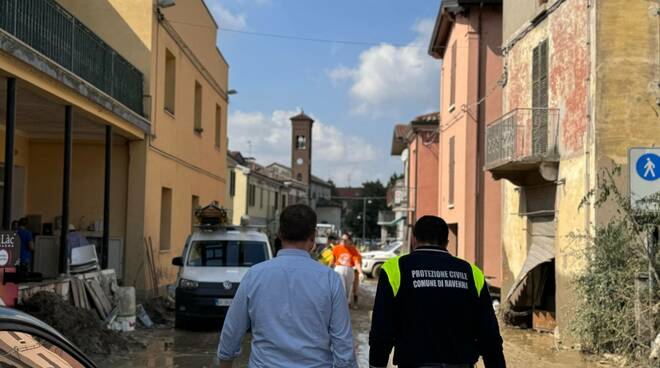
54 32
522 134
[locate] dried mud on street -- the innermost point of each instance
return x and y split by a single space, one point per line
170 348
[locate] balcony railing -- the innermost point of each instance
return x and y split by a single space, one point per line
48 28
522 135
385 216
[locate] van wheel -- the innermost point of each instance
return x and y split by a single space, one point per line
376 270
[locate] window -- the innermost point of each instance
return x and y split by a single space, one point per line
452 81
261 197
218 126
232 183
193 215
301 142
540 98
252 191
165 218
299 177
170 81
452 171
283 200
198 108
223 253
276 201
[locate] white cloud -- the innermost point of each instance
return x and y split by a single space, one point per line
226 18
336 154
390 77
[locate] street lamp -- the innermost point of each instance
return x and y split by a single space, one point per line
364 217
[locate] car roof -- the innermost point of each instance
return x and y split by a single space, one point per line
245 234
13 315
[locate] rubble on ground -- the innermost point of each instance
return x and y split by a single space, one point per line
160 310
82 327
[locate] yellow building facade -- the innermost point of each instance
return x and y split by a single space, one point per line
147 85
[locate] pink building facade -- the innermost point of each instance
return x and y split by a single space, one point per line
467 38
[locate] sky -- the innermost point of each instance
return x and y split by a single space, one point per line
356 93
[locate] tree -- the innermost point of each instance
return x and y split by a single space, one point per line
333 188
393 179
353 221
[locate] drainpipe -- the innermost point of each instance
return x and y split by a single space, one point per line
416 175
479 203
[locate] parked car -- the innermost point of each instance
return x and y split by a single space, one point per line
373 261
212 265
27 342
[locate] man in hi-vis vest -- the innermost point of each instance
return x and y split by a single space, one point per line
434 309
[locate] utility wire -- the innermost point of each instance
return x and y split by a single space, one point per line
314 39
300 38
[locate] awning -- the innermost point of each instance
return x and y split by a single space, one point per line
393 222
541 251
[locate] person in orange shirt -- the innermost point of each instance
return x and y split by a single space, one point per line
346 260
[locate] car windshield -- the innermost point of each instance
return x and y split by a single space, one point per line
391 247
227 253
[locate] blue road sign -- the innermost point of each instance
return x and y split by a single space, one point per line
648 166
643 175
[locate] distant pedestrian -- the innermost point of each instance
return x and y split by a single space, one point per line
326 255
295 307
434 309
27 244
348 264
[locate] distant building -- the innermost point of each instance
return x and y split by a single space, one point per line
319 189
345 196
237 190
417 144
395 219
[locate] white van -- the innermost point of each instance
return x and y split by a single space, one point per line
213 263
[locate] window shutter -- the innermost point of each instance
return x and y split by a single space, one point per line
452 168
452 88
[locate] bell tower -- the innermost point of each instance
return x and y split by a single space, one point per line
301 148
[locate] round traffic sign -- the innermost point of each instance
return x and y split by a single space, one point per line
648 166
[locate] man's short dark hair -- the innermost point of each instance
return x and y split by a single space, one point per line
431 230
297 223
22 221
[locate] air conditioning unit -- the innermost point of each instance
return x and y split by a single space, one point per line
165 3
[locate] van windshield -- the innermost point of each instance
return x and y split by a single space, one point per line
227 253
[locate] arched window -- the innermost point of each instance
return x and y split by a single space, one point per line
299 177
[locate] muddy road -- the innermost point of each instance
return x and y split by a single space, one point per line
170 348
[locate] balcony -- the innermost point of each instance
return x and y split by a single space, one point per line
49 29
523 144
388 218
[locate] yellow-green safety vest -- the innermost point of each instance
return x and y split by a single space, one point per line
391 268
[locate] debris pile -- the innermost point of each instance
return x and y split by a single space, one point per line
160 310
81 326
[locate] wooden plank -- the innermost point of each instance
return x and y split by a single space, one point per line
100 294
74 292
95 300
154 266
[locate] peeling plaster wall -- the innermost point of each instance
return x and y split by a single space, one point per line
567 31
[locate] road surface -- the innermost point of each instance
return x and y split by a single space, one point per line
169 348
